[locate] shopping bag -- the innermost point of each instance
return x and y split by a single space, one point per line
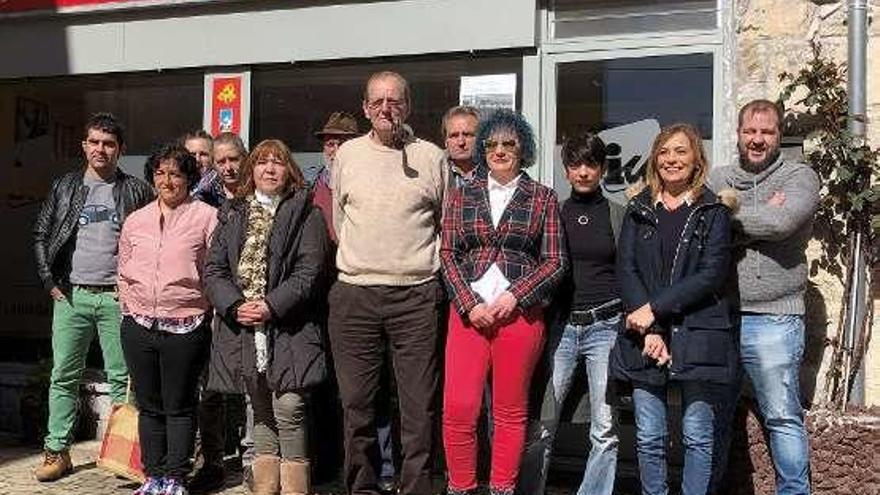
121 448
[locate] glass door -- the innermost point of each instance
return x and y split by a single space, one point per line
626 96
627 99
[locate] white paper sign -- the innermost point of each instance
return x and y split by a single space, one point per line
489 92
491 284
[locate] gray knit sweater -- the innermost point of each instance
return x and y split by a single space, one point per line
770 241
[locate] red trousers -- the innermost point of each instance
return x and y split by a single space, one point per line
511 352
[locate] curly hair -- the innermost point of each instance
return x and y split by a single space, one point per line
506 120
175 152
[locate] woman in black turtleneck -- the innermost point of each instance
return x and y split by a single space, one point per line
587 320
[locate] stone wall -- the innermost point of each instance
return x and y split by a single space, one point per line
773 36
844 457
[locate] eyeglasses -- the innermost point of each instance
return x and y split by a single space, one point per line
392 103
508 145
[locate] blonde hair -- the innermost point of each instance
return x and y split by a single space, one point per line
701 170
280 151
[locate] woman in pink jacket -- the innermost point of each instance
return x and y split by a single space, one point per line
166 316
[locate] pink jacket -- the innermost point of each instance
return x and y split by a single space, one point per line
160 266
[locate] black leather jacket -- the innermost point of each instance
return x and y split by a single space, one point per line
57 223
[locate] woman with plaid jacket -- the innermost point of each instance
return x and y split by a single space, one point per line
502 257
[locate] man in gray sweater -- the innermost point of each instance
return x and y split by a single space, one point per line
777 200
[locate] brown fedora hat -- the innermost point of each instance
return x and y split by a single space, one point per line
339 124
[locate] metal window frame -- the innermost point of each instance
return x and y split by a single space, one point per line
540 74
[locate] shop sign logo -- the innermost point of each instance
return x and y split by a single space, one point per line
627 149
227 94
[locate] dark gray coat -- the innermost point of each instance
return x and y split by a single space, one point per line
297 265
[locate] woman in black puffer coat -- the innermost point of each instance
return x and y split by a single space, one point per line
673 262
265 276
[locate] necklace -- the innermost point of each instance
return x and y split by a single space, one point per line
583 219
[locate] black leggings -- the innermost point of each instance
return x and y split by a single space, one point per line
165 369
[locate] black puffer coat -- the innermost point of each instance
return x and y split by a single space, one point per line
692 311
297 265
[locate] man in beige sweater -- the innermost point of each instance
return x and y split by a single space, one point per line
388 191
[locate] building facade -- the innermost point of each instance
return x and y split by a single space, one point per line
626 68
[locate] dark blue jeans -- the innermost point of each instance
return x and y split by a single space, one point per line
698 405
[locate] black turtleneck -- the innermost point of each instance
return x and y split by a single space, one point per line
591 246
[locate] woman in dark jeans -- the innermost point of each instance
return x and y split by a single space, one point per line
266 277
673 261
166 315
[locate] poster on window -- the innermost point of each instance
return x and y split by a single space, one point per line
489 92
227 104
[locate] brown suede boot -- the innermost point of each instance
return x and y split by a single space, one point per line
55 466
295 478
267 477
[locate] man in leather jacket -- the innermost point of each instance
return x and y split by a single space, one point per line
75 239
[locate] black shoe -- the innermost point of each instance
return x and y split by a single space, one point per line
209 478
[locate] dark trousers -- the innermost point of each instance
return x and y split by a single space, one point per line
362 319
212 428
165 370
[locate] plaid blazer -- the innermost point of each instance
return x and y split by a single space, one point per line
527 245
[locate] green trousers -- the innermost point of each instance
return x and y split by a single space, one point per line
75 323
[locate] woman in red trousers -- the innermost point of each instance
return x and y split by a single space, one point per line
502 257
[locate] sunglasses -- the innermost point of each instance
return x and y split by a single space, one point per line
508 145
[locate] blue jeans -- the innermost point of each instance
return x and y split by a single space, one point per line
593 344
771 348
698 400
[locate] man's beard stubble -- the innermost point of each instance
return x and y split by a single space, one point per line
756 167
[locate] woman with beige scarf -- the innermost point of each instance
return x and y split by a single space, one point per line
265 277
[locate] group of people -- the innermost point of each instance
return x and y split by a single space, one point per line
450 260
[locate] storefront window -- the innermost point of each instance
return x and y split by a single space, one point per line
291 103
629 100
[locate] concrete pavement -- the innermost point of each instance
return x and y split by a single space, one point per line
18 462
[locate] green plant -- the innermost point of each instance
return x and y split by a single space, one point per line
850 205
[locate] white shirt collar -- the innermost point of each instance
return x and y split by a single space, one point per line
688 199
494 185
268 202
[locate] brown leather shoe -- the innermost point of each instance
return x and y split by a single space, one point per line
55 466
